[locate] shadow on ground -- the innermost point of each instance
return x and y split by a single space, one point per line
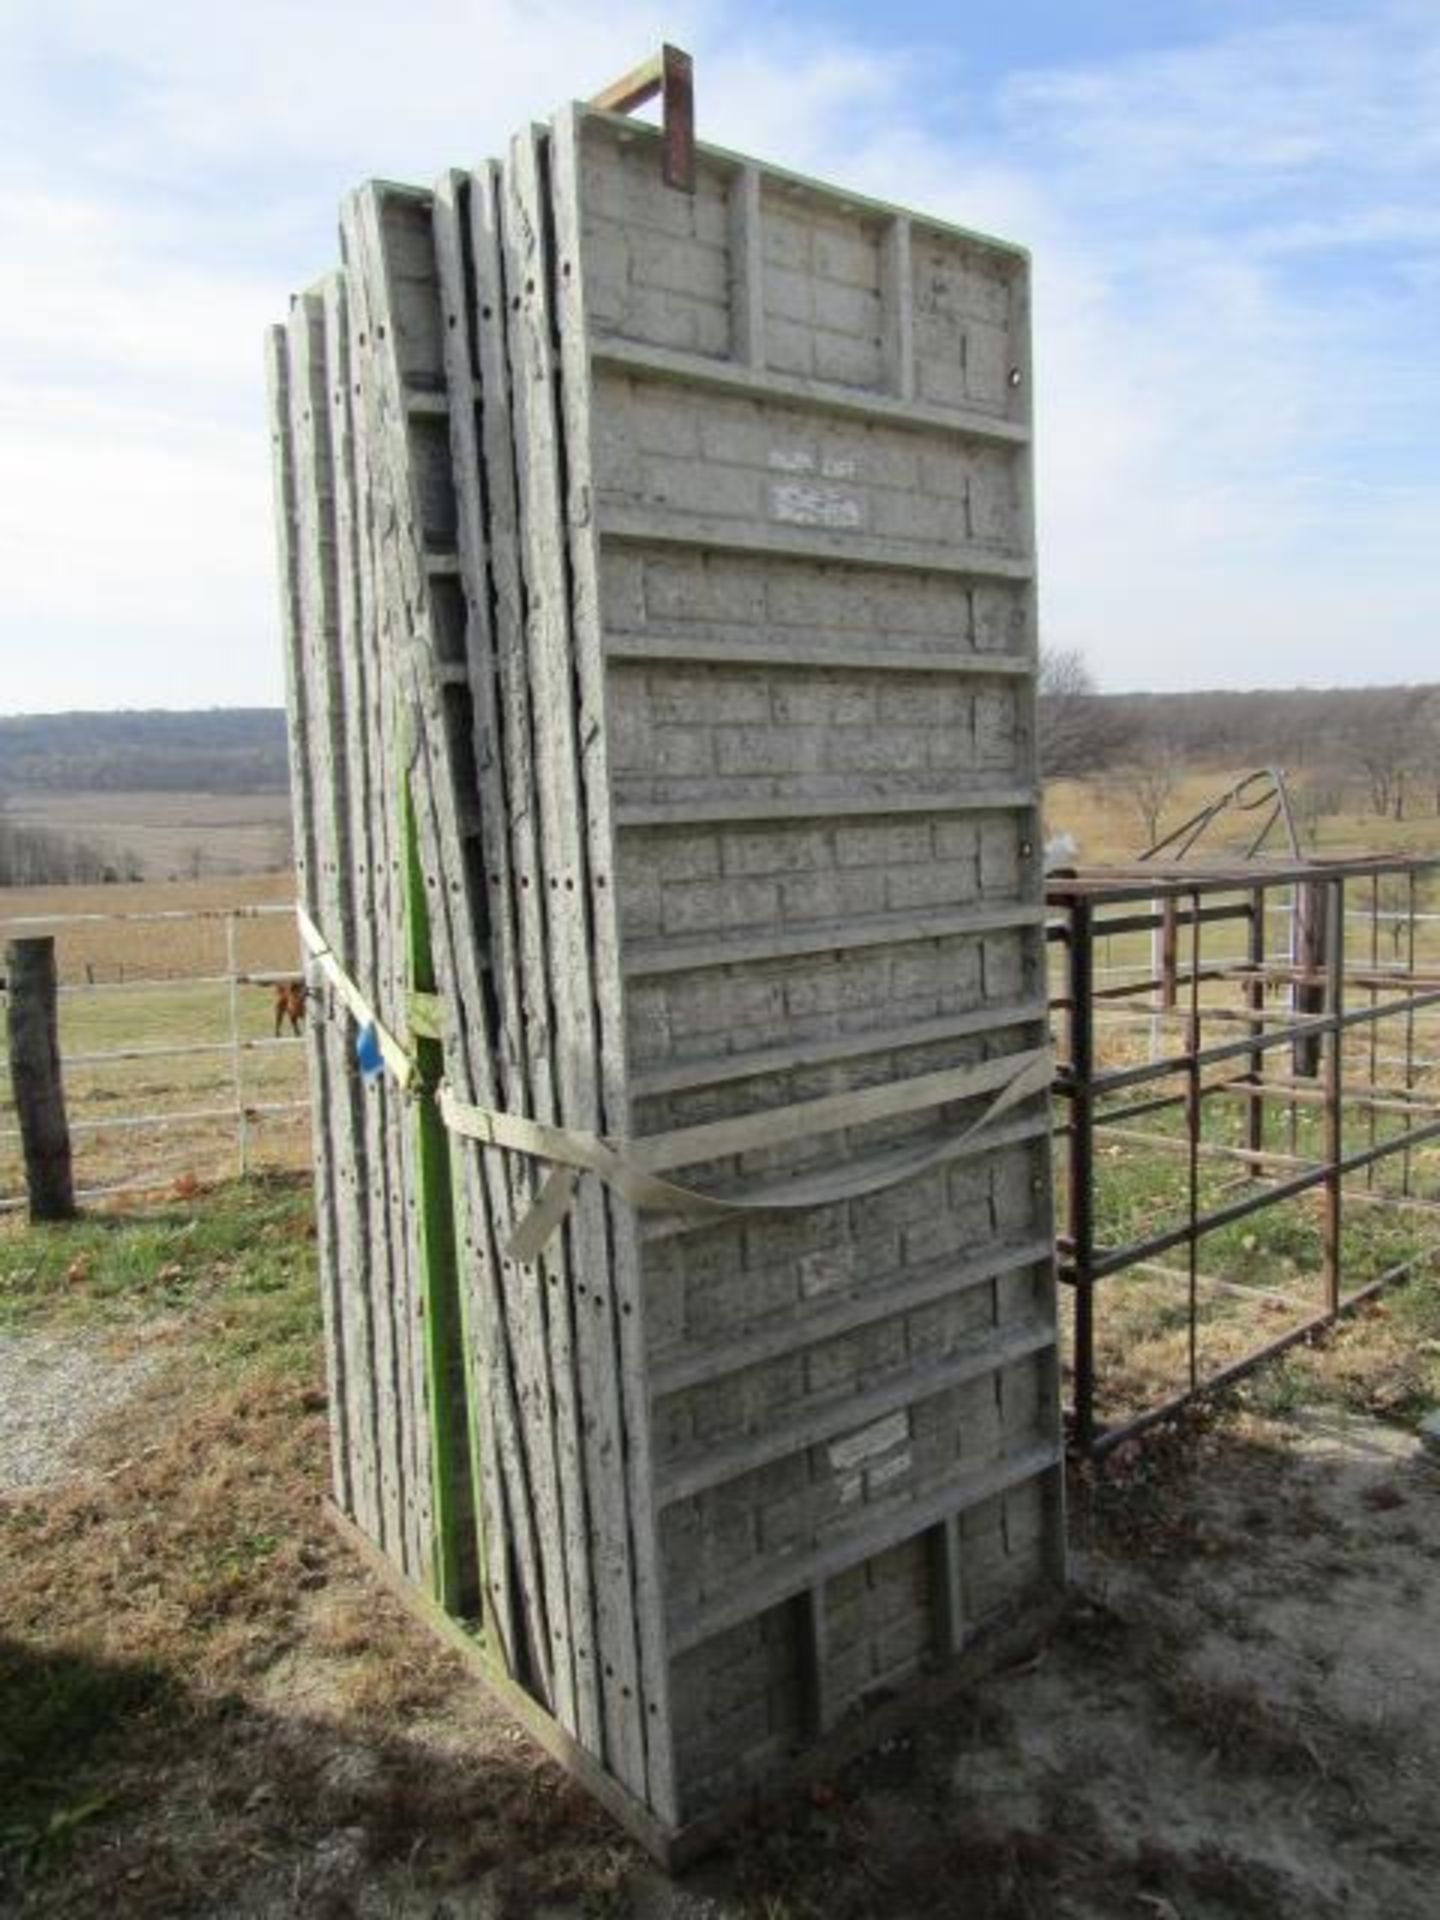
206 1707
1232 1720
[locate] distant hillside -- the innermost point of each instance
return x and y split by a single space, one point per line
219 750
1296 727
1384 739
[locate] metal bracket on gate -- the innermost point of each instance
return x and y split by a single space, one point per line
671 74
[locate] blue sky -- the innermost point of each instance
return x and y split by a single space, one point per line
1234 211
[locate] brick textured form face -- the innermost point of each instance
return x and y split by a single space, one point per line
742 876
735 598
752 733
807 504
763 463
969 344
822 297
692 530
657 264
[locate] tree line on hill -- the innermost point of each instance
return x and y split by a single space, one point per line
218 750
34 856
1376 748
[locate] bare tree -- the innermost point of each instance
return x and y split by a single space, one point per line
1316 799
1394 742
1384 778
1149 786
1079 729
1427 745
35 856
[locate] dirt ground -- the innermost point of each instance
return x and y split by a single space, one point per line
206 1707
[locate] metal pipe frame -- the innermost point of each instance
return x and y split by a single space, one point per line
1324 1006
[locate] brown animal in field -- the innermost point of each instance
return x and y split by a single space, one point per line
290 998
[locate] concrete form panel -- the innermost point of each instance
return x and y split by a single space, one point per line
728 569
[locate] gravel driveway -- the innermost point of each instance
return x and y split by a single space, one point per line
54 1387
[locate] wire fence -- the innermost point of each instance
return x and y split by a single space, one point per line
177 1063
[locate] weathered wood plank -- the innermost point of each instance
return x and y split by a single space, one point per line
355 668
393 1285
590 1458
897 300
654 527
818 807
456 914
940 1279
686 1075
646 959
389 1307
37 1088
520 1302
303 801
877 658
452 818
630 1499
817 1421
494 1447
397 1287
369 1367
747 272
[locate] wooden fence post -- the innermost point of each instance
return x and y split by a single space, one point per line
39 1093
1311 945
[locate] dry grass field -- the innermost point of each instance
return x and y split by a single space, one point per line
107 946
170 834
1102 817
133 985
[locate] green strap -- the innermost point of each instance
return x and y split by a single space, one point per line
448 1392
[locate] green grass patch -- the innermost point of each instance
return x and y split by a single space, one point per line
242 1253
1382 1360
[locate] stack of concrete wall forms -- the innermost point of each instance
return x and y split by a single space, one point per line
700 547
342 706
803 607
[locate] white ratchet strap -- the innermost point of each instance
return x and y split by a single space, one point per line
396 1057
633 1168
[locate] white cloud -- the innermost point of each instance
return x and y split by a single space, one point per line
1235 247
1247 113
1232 458
110 296
362 85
